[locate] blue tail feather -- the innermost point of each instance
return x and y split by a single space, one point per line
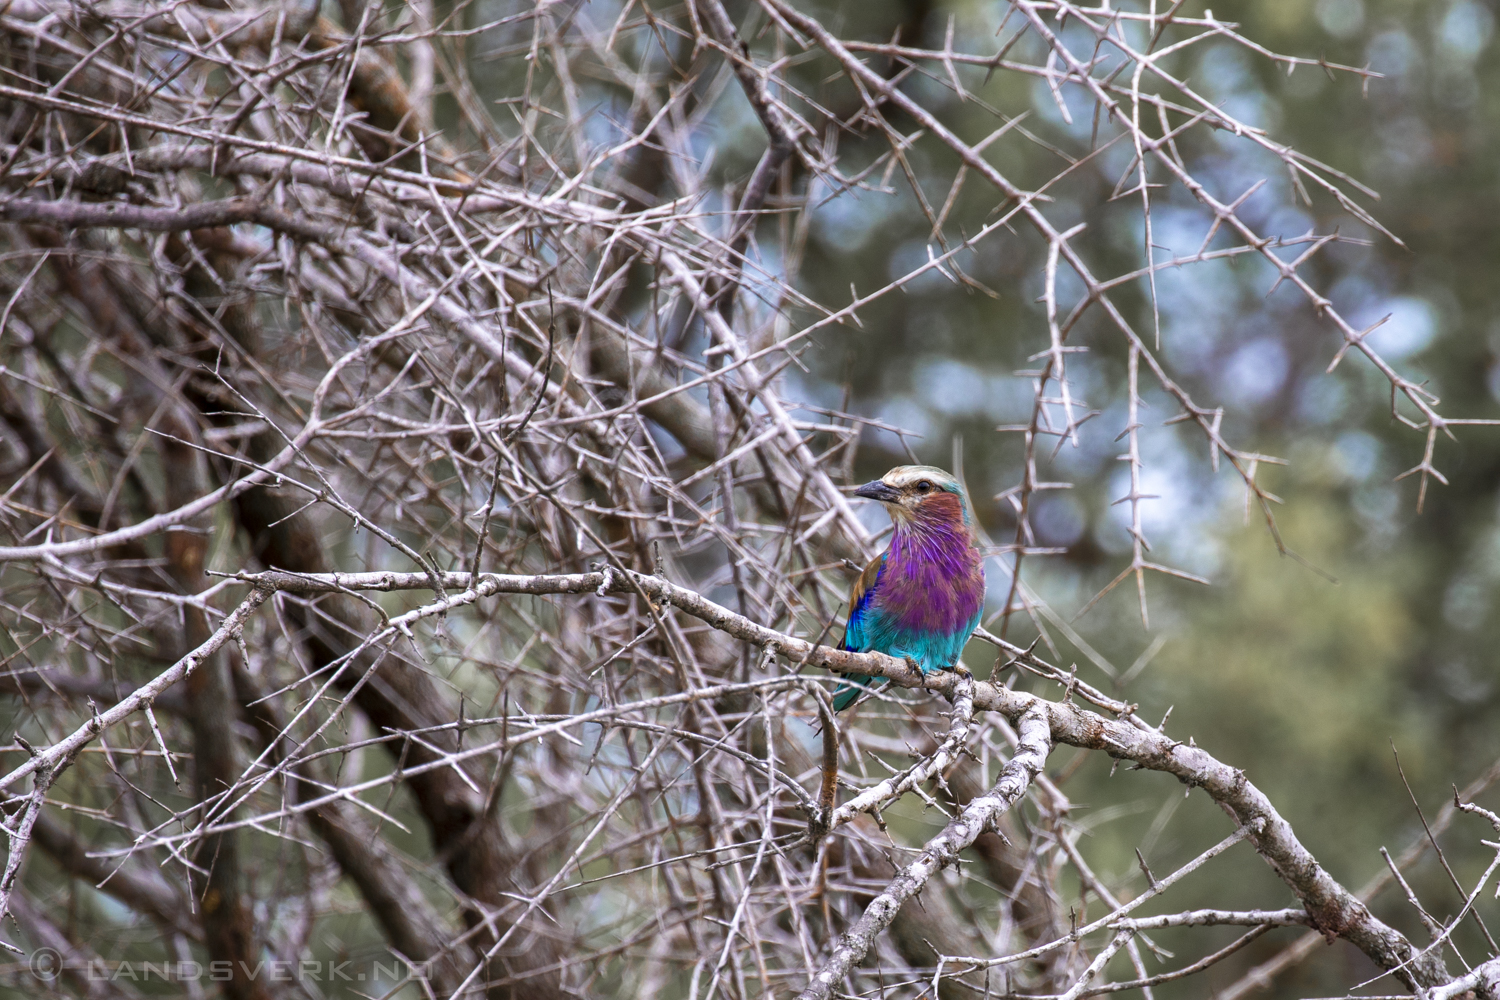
848 692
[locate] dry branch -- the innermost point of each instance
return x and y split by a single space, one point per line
427 378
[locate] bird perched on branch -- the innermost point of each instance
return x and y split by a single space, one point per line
922 597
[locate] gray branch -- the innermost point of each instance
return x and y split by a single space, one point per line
943 850
1331 907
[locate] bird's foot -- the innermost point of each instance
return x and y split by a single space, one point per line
913 664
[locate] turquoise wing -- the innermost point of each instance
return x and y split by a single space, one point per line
858 631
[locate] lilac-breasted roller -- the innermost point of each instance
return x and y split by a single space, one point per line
922 597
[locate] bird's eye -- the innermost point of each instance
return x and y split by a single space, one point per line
924 487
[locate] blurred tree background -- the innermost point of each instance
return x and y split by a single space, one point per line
1312 680
1370 635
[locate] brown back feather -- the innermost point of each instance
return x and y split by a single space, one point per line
864 583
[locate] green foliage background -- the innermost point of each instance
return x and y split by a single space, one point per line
1306 683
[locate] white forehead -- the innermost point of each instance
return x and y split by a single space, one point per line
909 475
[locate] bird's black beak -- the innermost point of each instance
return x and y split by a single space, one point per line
878 491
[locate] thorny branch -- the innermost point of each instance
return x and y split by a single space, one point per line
303 314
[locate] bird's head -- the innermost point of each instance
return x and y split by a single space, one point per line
916 493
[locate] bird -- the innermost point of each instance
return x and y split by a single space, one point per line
922 597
